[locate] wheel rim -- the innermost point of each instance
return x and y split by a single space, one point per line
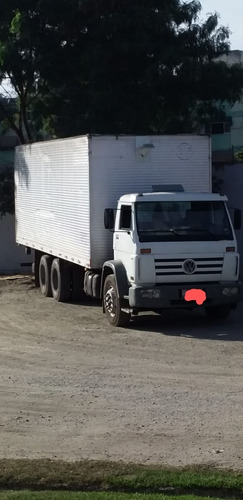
110 301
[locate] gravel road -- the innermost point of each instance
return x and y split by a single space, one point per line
168 390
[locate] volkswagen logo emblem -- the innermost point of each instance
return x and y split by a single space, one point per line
189 266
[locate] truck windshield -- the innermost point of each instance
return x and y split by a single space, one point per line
182 221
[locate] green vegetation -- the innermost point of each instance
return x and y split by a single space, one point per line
54 495
81 67
239 156
6 192
108 476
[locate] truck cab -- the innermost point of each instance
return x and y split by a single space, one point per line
167 246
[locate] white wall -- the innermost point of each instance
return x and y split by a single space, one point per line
232 176
11 255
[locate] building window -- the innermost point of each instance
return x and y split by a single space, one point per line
220 128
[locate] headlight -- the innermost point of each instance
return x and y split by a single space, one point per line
230 291
150 294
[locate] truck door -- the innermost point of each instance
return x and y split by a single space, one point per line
124 245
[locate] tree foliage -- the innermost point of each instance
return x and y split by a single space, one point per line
6 192
239 156
141 66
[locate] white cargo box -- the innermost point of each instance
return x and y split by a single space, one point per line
63 186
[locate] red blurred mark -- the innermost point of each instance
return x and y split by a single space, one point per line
195 294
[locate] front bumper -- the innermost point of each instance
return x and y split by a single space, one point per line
172 296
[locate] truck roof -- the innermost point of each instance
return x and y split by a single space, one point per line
172 196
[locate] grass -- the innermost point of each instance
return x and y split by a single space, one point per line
118 477
67 495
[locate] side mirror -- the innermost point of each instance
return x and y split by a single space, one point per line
237 218
109 219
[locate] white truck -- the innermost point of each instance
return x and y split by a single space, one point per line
106 216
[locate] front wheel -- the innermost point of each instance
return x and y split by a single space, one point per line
112 303
218 312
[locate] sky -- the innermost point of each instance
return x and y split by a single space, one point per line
231 15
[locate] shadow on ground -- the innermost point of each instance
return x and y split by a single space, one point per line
192 324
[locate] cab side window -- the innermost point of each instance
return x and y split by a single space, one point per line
126 217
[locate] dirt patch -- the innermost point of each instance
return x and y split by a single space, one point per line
168 390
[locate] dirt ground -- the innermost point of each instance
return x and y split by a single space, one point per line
168 390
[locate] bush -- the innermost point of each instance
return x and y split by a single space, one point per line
7 192
239 156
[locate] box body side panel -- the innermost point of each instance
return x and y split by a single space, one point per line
53 198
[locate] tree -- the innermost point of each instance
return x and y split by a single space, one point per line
6 192
6 169
85 66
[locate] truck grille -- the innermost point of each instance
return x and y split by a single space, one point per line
189 266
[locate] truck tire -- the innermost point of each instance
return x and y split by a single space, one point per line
60 281
218 312
112 303
45 275
35 267
77 283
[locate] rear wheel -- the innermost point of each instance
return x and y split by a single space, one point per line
60 280
112 303
218 312
45 275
